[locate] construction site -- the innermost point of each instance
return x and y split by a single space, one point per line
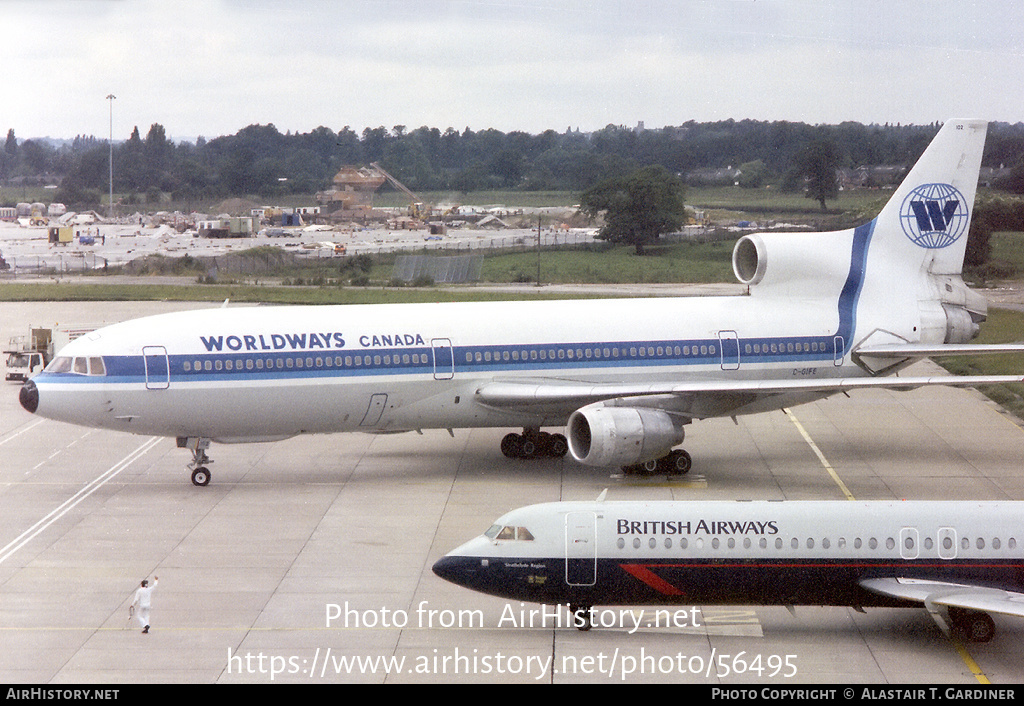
351 200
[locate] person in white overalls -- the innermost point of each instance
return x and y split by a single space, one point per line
143 601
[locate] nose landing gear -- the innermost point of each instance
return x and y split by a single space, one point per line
198 446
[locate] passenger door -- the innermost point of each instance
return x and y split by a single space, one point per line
580 548
158 371
730 345
444 358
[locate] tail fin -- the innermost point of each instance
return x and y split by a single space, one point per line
912 279
929 215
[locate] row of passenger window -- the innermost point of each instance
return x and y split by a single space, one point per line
304 362
806 347
592 353
350 361
872 543
613 352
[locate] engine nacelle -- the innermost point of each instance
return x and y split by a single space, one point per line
960 325
750 259
811 263
620 436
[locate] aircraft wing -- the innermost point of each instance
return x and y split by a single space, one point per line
556 394
922 350
956 595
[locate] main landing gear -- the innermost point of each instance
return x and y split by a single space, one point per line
675 463
200 473
534 444
972 625
581 617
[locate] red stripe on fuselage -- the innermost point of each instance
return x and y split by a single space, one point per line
642 573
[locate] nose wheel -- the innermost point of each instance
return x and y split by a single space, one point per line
201 476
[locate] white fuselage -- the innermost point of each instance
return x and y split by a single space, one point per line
264 372
797 552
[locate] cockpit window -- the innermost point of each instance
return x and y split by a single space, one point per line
79 366
508 532
60 365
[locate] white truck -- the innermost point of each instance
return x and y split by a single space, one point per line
28 354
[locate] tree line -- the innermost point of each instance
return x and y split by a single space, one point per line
261 160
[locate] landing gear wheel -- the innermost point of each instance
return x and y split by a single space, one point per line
510 446
529 446
649 468
678 462
972 625
581 617
534 444
559 446
675 463
198 446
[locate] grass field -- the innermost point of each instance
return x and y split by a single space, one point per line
674 263
1002 326
1009 248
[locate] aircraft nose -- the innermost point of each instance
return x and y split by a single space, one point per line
29 396
454 569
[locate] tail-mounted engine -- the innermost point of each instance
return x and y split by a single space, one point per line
814 262
953 313
750 259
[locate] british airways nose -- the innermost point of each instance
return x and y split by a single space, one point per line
460 570
450 569
29 396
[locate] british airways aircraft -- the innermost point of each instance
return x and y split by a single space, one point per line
967 557
823 313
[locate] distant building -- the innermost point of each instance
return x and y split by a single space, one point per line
354 188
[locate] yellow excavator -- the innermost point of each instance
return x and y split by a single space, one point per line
417 207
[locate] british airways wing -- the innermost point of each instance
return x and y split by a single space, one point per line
965 556
824 313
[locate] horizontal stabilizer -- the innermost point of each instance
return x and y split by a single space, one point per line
955 595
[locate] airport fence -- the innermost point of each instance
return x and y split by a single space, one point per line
61 263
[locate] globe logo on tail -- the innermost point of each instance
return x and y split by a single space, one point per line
934 215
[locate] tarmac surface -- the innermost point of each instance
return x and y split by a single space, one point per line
309 560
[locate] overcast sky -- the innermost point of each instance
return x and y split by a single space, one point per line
212 67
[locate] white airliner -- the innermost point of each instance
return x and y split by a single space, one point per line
824 313
967 557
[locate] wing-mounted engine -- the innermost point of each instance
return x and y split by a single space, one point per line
601 435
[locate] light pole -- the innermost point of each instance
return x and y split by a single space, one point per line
111 97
